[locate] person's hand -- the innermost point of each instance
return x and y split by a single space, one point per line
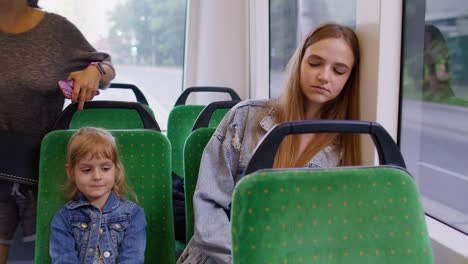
86 83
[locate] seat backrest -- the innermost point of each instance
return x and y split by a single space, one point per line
182 119
146 158
202 130
342 215
193 151
339 215
107 114
179 126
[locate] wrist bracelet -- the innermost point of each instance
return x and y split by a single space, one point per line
99 67
108 64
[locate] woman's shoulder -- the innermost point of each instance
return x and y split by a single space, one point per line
249 108
245 111
55 18
57 23
252 103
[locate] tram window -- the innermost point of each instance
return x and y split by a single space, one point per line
146 42
290 21
434 115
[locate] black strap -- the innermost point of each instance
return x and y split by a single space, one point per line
17 179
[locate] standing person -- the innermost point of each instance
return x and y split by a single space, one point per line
98 225
36 50
322 84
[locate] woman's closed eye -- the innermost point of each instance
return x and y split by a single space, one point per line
314 62
340 69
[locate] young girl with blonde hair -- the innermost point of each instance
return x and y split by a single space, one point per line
98 224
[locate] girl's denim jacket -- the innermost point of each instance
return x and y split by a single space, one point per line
222 165
80 230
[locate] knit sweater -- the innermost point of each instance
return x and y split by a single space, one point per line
31 63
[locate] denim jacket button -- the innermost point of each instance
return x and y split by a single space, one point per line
84 225
91 250
106 254
94 225
101 230
117 226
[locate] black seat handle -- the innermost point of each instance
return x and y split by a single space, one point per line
203 120
264 154
65 117
138 93
183 97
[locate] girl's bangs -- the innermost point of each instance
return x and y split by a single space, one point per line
96 148
101 150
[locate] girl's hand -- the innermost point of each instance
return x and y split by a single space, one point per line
86 83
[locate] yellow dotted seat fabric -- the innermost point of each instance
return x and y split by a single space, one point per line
341 215
179 126
146 157
193 151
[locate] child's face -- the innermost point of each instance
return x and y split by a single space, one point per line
95 179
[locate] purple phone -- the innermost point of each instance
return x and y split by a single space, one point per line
66 86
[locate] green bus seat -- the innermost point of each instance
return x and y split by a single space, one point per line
354 215
339 215
179 126
202 130
180 123
181 120
146 158
107 114
193 151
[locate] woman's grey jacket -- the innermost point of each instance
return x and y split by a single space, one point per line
223 162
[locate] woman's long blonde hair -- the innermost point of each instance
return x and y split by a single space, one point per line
291 106
90 142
